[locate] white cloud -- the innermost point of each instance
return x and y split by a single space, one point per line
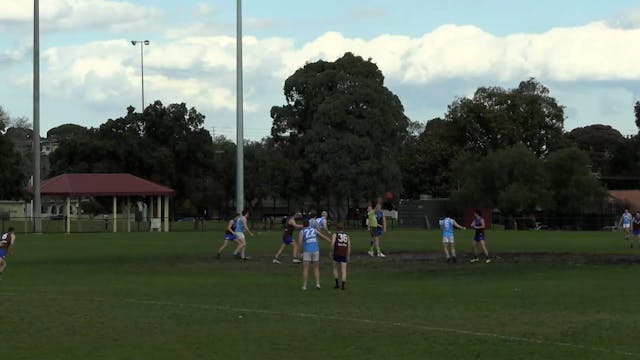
200 70
629 19
60 15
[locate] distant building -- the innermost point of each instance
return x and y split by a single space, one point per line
627 198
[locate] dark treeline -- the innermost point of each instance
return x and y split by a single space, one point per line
342 137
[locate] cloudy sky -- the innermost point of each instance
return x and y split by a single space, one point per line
431 51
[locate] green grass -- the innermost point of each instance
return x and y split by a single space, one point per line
163 296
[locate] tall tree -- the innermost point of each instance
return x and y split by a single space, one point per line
575 190
600 143
166 144
344 127
12 176
495 118
636 111
510 179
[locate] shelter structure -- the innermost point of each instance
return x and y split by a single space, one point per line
629 198
116 186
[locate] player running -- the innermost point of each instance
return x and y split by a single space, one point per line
340 252
625 221
447 225
308 241
636 227
240 227
377 225
478 238
287 239
6 241
229 237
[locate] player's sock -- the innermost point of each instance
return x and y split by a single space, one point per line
344 284
337 284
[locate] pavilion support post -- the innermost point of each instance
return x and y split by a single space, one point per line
151 213
67 215
128 214
159 211
115 216
166 214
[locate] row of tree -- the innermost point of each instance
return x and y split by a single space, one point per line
342 136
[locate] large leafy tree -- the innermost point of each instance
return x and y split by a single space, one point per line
510 179
495 118
342 129
575 190
12 176
166 144
600 143
636 111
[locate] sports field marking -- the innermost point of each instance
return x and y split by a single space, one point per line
330 317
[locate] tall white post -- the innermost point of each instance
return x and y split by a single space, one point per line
67 214
166 214
239 113
37 202
115 216
128 214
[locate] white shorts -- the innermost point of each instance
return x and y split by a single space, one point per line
239 235
626 226
447 240
311 256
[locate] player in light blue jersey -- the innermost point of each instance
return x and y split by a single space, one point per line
447 225
240 227
313 221
229 237
625 221
322 223
308 242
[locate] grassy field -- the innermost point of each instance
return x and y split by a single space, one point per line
164 296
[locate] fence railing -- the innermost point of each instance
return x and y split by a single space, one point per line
101 225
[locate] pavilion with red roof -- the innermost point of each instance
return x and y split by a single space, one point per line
109 185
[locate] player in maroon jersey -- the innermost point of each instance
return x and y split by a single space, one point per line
340 251
635 223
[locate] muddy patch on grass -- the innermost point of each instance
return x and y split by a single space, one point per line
512 258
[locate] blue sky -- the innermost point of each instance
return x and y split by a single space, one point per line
429 51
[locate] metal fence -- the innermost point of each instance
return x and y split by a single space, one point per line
101 225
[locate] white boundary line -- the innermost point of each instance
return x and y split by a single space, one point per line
331 317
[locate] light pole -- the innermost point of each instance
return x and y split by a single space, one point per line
142 43
36 213
239 112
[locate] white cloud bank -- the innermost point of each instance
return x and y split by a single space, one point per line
200 70
59 15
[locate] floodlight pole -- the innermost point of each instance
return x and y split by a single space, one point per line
239 113
37 207
142 43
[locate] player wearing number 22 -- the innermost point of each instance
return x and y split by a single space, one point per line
308 241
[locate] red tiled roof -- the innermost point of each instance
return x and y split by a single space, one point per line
102 185
632 197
